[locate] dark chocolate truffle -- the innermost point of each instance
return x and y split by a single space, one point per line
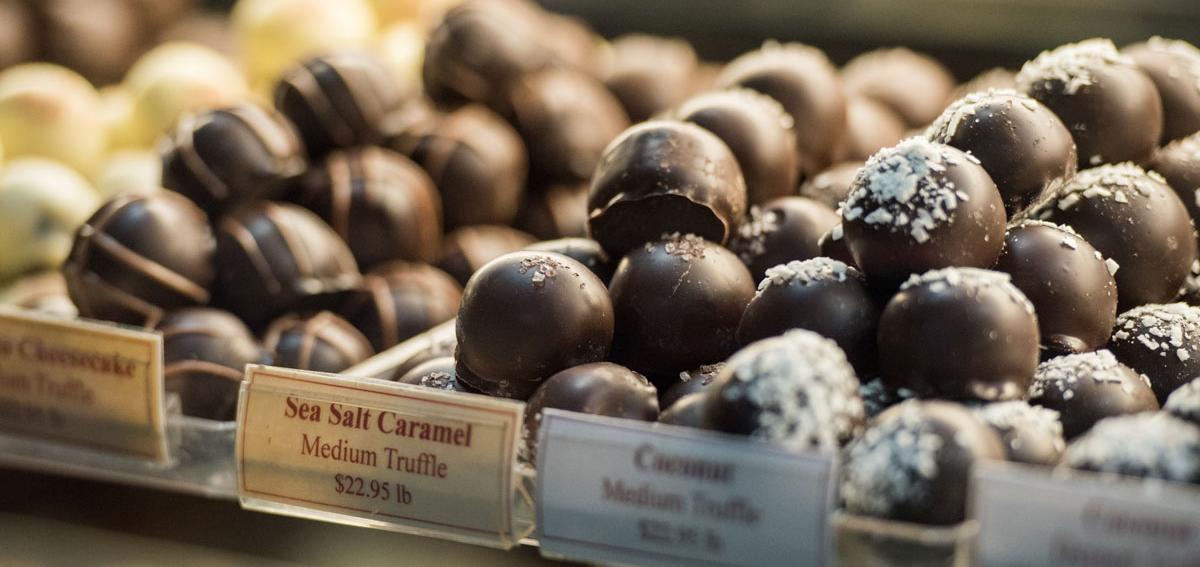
870 127
784 230
275 257
960 333
650 74
559 211
662 177
1174 66
99 39
1031 434
796 390
598 388
398 301
585 251
832 186
1147 445
878 396
1190 294
426 347
438 373
821 295
912 84
1111 108
337 101
1179 164
468 248
758 131
914 463
1135 220
920 206
205 352
678 302
1184 402
476 160
994 78
1024 147
322 343
689 411
18 33
1069 283
527 315
139 255
803 80
689 383
382 204
1160 341
833 245
1085 388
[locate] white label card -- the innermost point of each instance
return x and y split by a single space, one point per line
619 491
1029 517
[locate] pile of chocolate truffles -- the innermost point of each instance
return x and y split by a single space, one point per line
872 261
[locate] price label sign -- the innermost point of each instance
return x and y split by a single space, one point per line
616 491
82 383
378 454
1030 517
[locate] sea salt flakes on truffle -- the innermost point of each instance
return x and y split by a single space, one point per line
1148 445
973 279
1031 434
1072 65
1184 402
807 272
901 187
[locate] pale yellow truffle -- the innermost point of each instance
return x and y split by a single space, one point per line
42 203
52 112
274 35
176 78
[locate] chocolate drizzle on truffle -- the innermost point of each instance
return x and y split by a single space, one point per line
322 343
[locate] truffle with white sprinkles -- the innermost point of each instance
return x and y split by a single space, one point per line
1147 445
1184 402
1162 342
1031 434
1085 388
785 229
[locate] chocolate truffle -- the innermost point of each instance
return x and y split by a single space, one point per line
1147 445
784 230
878 396
1179 164
1031 434
961 333
476 160
803 80
275 257
18 33
1174 66
920 206
1135 220
912 84
689 383
42 205
526 316
796 390
758 131
1111 108
140 255
689 411
870 127
1190 293
431 346
914 463
98 38
994 78
833 245
559 211
382 204
468 248
1160 341
322 343
337 101
174 79
661 177
398 301
1184 402
821 295
438 373
678 302
205 353
44 293
224 158
650 74
598 388
832 186
1024 147
585 251
1068 282
1085 388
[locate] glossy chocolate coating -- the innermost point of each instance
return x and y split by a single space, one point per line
650 74
1111 108
832 186
1134 219
783 230
139 255
870 127
1031 434
1174 67
1067 281
678 302
803 80
476 160
379 202
205 352
468 248
275 257
1184 402
1179 164
833 245
1160 341
953 216
1145 445
437 373
662 177
224 158
99 39
914 463
959 333
1025 148
1085 388
758 131
915 86
337 101
689 411
322 343
398 301
598 388
528 315
583 250
821 295
559 211
689 383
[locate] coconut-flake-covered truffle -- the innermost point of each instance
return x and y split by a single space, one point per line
1031 434
1085 388
1148 445
1174 66
1184 402
878 396
1160 341
920 206
913 464
785 229
796 390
